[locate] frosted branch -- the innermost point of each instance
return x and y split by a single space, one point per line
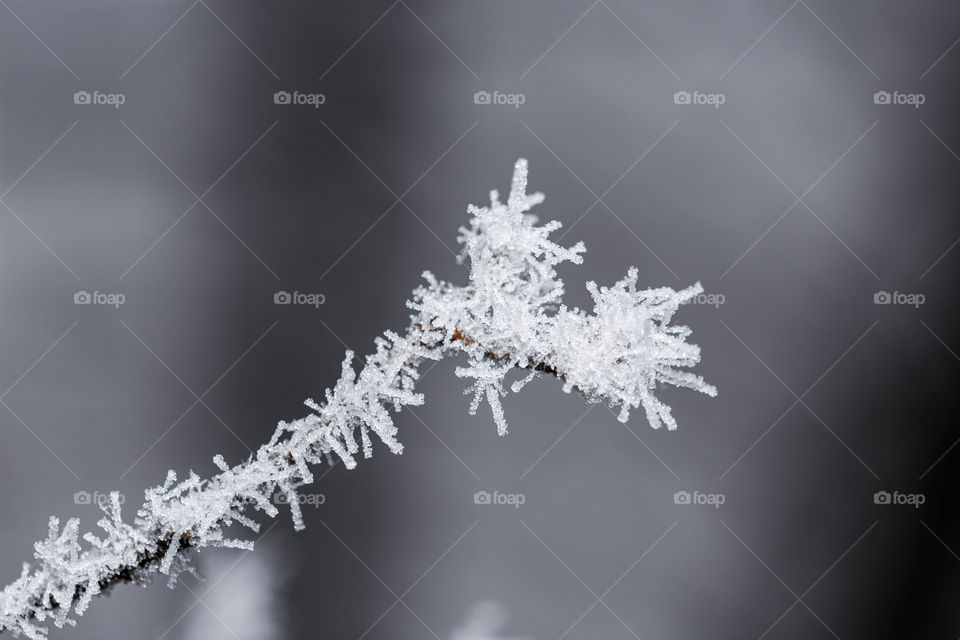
508 316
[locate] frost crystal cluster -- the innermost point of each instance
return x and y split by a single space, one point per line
508 316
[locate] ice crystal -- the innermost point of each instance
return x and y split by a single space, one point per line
508 316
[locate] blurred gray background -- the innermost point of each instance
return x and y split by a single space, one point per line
797 200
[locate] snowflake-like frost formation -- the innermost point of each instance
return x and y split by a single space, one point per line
508 316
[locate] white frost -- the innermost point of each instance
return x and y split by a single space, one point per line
508 316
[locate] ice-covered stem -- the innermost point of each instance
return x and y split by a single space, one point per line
508 316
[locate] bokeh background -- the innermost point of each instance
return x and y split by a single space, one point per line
796 201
